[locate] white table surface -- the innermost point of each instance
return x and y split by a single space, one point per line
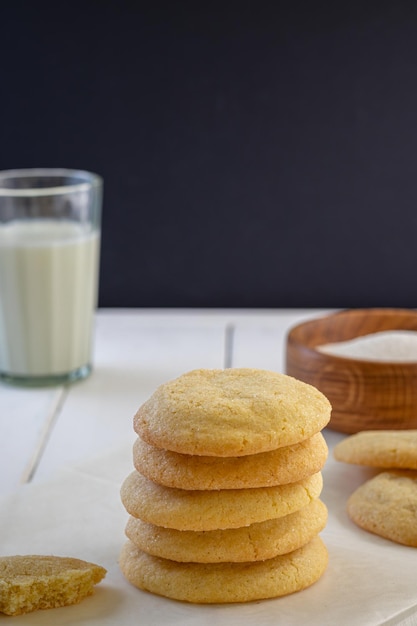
47 435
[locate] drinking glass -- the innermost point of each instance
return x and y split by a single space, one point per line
49 263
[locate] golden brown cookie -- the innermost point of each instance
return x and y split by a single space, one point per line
386 505
211 510
277 467
380 448
225 582
231 412
257 542
29 583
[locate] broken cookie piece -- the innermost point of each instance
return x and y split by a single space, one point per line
29 583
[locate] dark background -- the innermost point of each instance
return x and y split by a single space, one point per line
255 154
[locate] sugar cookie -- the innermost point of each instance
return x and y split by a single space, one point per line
379 448
277 467
257 542
225 582
231 412
211 510
386 505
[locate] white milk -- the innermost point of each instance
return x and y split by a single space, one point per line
48 294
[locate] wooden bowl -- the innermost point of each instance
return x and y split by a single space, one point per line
364 394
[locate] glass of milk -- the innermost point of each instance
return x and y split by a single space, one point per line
49 262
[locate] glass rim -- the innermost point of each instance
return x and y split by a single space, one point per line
91 180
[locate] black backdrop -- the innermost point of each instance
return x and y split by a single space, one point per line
255 154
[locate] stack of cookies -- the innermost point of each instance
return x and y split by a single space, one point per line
224 501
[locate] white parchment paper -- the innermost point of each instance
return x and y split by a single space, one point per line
369 581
